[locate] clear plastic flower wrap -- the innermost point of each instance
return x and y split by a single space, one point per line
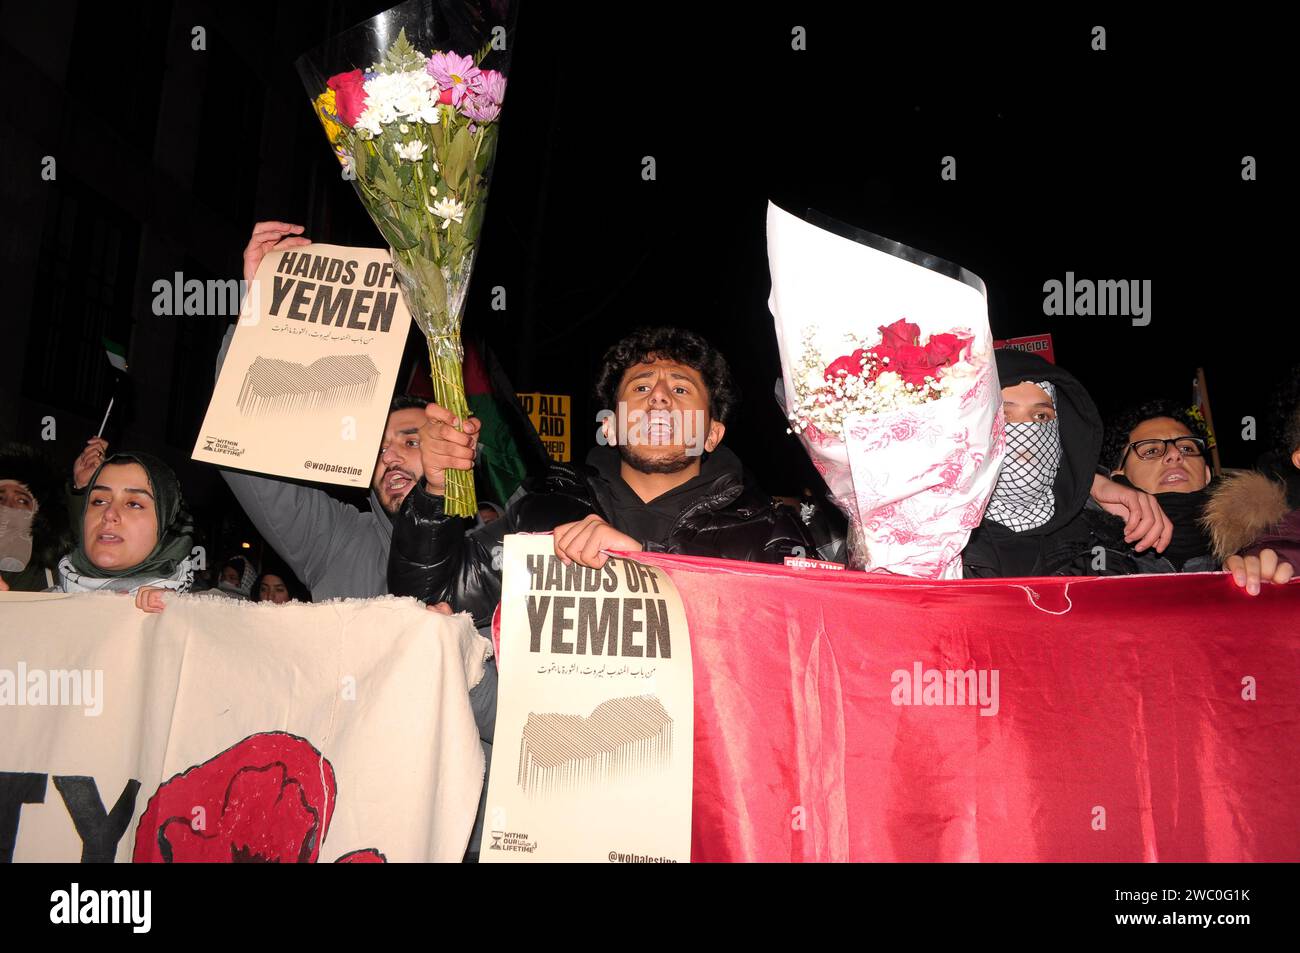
889 382
410 102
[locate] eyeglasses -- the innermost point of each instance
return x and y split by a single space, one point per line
1154 449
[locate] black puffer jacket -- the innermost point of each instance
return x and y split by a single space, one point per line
719 513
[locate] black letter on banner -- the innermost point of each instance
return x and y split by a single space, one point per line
656 629
15 791
602 629
536 618
99 831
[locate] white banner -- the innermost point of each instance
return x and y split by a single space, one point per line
306 385
592 759
220 730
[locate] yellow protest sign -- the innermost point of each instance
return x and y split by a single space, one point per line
550 414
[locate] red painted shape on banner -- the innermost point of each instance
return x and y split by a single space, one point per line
1040 344
1120 728
269 798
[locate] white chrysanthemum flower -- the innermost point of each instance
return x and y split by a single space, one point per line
403 128
412 151
449 210
400 95
368 121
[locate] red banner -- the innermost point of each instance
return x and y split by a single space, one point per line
1040 344
841 716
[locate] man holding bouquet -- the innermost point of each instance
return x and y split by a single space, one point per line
659 481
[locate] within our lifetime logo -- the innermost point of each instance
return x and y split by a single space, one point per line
512 841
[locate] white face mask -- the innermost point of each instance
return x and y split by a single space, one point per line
15 538
1024 496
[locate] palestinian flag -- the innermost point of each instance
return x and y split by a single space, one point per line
116 355
512 449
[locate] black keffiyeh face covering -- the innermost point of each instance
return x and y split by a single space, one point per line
1023 498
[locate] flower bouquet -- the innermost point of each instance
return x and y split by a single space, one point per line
890 384
410 102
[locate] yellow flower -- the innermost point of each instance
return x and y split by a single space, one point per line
328 114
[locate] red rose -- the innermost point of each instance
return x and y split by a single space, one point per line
945 349
901 331
848 366
445 96
908 361
349 95
913 364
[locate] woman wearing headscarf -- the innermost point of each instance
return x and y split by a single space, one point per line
278 585
238 578
134 534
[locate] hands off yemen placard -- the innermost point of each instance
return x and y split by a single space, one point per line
595 715
306 385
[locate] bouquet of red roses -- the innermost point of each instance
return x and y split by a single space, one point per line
904 424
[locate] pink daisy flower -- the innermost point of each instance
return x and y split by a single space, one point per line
456 73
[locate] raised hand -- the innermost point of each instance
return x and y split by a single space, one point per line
270 236
84 467
443 447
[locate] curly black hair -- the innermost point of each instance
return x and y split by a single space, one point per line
671 344
1122 424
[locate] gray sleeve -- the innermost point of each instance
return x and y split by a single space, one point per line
483 700
301 523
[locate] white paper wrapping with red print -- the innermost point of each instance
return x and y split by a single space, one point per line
913 482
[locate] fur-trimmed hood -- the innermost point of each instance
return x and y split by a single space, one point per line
1243 507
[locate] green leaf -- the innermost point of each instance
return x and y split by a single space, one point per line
405 172
361 161
396 232
474 221
432 283
487 149
458 155
401 56
386 180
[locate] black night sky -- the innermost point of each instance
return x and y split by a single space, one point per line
1116 164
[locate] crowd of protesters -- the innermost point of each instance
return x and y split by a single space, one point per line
1075 496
